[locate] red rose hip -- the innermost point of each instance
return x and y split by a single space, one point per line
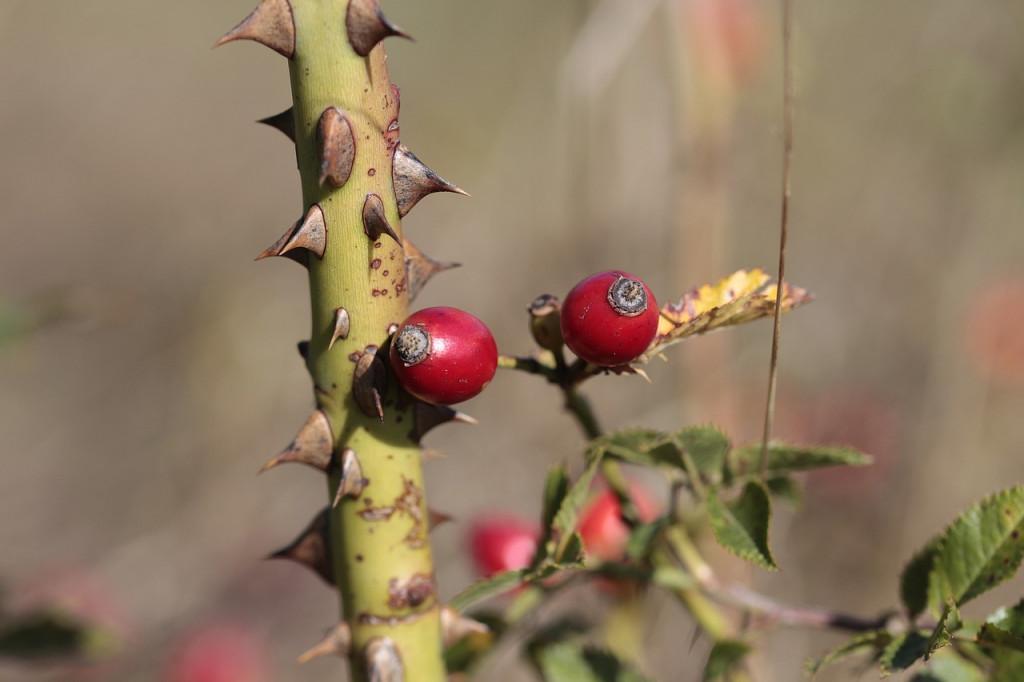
502 543
610 318
443 355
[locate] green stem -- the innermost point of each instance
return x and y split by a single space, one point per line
380 546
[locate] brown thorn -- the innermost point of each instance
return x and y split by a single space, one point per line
308 234
367 26
455 626
413 180
419 268
303 347
375 219
285 122
337 641
369 383
270 24
342 325
311 548
352 482
337 146
312 446
437 518
383 664
426 417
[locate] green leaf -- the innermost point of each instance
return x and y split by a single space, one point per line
915 579
785 488
556 486
48 635
708 447
575 662
742 526
786 459
981 549
903 651
645 447
725 657
948 666
876 641
642 538
564 523
1004 628
488 588
942 634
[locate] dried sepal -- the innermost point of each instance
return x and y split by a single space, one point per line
312 446
375 219
419 268
352 482
743 296
311 548
285 122
383 664
455 626
369 383
337 641
367 26
308 235
413 180
270 24
426 417
545 322
337 147
342 326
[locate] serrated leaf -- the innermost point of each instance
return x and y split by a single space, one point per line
787 459
914 580
645 447
942 634
876 641
1010 619
487 588
708 447
981 549
574 662
993 635
725 657
742 526
743 296
948 666
556 487
903 651
564 524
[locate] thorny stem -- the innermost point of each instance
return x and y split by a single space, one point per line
787 161
381 552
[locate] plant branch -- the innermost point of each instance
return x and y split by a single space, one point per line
787 160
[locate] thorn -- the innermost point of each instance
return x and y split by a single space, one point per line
312 446
426 417
311 548
341 326
369 383
383 664
309 234
413 180
455 626
419 268
352 482
436 518
337 147
336 642
270 24
367 26
303 347
285 122
375 220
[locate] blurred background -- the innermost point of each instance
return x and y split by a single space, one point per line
148 366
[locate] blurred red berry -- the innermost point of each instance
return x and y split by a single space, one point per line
610 318
995 331
502 543
444 355
218 653
604 533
